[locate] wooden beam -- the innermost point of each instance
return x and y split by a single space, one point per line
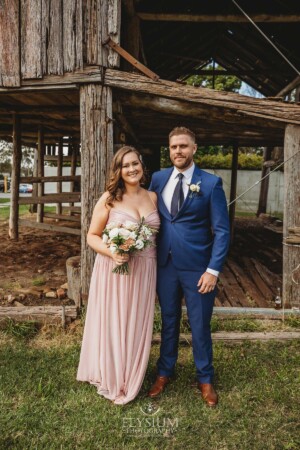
261 112
38 109
289 87
252 313
227 18
49 227
54 158
62 217
236 337
244 105
51 179
42 314
30 86
291 252
186 109
133 61
236 72
76 209
15 179
65 197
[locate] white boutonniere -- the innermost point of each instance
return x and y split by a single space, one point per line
194 189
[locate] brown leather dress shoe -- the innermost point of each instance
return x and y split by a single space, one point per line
159 385
208 393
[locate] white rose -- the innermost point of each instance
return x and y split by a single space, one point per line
124 233
133 235
139 244
113 248
105 238
114 232
194 188
146 231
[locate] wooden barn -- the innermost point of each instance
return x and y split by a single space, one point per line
90 75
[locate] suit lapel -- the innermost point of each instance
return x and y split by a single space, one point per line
195 179
165 178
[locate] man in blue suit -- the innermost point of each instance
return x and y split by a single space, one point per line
192 245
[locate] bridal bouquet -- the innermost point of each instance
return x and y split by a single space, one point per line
128 237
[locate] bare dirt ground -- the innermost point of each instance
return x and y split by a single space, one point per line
34 265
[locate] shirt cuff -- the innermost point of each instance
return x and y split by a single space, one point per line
213 272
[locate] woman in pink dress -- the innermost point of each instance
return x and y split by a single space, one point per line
118 328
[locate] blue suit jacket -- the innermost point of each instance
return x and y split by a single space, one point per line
198 236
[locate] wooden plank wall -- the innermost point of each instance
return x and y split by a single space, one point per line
55 36
31 64
9 43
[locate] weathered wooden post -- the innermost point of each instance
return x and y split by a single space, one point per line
291 222
33 206
15 179
59 174
96 154
74 149
40 167
233 186
96 125
264 187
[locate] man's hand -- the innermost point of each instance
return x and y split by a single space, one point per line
207 283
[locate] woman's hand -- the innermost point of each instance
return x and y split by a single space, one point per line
120 258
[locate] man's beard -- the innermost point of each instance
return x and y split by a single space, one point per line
183 164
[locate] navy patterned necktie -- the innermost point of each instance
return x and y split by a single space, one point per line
178 197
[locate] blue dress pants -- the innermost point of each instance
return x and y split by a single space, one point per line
172 284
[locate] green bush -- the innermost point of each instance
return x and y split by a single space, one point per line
220 161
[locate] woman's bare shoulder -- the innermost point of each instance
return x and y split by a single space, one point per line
102 201
153 196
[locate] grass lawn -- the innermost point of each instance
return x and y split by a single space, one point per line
44 407
23 209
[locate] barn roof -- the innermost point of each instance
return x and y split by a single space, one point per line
177 39
180 38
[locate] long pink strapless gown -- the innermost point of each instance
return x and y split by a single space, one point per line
119 321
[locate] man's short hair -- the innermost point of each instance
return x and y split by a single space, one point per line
182 130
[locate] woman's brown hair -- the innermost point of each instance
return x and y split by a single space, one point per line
115 185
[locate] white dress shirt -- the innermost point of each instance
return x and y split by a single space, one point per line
168 191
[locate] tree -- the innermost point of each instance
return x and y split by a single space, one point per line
6 158
229 83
